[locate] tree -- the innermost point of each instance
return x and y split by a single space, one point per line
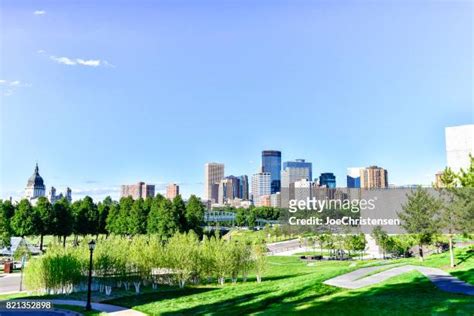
25 221
168 221
153 221
260 259
64 221
104 209
179 212
194 214
457 213
240 218
86 217
419 217
44 210
137 218
6 213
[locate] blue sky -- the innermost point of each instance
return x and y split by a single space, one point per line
103 93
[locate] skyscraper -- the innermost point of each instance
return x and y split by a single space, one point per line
353 177
261 185
300 166
139 190
459 144
292 172
244 187
271 163
228 189
213 174
373 177
327 179
172 190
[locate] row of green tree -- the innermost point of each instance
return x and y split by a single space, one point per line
145 259
130 217
426 216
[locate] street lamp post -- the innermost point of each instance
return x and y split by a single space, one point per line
89 283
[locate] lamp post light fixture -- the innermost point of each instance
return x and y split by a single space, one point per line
89 283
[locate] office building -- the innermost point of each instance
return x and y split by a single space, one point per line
172 191
459 145
275 200
299 168
353 177
139 190
373 177
213 174
228 189
271 163
328 180
261 185
303 189
244 188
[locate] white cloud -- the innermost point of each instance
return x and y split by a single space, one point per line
8 87
80 61
39 12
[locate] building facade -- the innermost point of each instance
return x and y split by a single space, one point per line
139 190
459 145
299 167
328 180
353 177
213 174
53 197
271 163
35 187
172 191
303 189
373 177
261 185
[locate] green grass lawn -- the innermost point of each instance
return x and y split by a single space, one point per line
292 286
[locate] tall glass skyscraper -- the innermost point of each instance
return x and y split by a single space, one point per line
328 179
271 163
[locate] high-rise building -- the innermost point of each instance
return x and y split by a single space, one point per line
327 179
353 177
275 199
35 187
244 187
373 177
172 191
303 189
292 172
139 190
228 189
300 167
459 144
271 163
261 185
213 174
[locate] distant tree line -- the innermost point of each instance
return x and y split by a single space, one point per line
156 215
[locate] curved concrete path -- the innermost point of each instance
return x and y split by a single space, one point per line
109 309
442 279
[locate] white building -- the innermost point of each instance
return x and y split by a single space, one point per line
35 187
261 185
459 144
303 189
275 199
213 174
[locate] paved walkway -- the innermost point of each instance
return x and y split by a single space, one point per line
442 279
109 309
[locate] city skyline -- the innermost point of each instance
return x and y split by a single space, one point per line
339 85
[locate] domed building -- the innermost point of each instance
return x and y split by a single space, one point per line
35 187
